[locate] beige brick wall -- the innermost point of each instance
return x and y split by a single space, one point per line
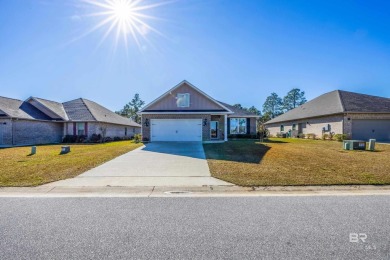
313 125
205 129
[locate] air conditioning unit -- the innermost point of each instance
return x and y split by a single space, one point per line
354 145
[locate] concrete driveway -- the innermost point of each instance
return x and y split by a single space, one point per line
155 164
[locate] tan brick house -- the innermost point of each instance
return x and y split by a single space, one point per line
185 113
359 116
41 121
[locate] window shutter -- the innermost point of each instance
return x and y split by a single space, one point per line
74 129
228 126
248 126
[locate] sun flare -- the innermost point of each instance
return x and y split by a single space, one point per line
124 18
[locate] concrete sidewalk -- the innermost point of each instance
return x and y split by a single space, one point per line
155 164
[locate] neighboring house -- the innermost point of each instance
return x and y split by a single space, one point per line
357 115
185 113
40 121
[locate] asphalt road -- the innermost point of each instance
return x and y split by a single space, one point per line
195 228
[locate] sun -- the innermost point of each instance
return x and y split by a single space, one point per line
127 19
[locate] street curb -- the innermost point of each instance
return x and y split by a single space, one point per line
205 191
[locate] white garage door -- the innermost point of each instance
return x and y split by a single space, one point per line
176 130
371 129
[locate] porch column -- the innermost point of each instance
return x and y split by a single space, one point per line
225 129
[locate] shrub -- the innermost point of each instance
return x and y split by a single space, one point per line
325 136
96 138
107 139
301 135
74 139
340 137
137 138
117 138
311 136
331 135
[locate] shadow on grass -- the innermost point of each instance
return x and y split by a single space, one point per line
248 151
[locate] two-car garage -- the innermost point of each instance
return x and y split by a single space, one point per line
176 130
371 129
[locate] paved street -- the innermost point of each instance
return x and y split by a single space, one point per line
195 228
155 164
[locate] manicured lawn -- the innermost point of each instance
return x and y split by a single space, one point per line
296 162
18 168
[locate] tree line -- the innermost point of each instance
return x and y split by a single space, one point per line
272 107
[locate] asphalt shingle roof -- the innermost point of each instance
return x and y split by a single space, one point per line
237 111
75 110
56 107
19 109
82 109
336 102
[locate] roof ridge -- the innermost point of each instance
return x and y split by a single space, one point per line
94 117
341 100
47 100
11 98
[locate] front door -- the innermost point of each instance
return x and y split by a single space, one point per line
214 129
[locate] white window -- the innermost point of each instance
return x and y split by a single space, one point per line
237 126
183 100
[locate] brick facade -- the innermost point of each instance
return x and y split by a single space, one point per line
28 132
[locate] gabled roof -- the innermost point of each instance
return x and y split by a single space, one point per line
82 109
15 108
55 107
223 108
336 102
238 112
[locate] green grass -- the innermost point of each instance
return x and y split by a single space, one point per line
296 162
18 168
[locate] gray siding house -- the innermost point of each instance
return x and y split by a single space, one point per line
41 121
185 113
358 116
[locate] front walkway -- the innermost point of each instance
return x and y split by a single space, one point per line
155 164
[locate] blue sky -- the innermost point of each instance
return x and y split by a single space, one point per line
236 51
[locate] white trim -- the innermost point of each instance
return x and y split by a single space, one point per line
177 86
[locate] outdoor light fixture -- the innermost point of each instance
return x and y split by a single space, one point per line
4 123
205 122
147 122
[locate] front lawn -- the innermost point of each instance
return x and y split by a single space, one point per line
18 168
296 162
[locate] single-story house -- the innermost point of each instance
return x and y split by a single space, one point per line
358 116
41 121
185 113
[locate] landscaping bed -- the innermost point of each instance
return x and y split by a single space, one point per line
288 161
18 168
